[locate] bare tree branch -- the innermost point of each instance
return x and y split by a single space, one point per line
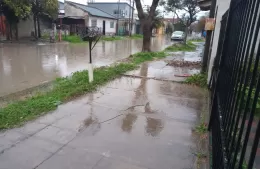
179 18
152 9
139 9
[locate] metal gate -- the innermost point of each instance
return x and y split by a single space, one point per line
235 106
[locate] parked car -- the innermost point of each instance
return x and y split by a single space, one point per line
177 35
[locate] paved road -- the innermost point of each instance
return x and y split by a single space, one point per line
24 66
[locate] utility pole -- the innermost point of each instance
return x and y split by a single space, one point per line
117 22
132 19
129 21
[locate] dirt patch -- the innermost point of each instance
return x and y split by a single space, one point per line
183 63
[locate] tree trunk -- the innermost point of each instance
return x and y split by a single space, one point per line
185 35
147 23
11 32
35 26
38 20
39 28
147 33
8 31
16 31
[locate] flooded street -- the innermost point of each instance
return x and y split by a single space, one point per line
26 65
141 120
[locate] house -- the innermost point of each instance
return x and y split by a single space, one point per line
121 11
90 16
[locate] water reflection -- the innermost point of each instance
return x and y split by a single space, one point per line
24 66
128 122
92 122
153 126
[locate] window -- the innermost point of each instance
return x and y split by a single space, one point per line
112 24
94 22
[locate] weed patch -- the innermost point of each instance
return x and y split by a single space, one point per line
198 80
181 47
201 128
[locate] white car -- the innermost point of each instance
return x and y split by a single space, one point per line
177 35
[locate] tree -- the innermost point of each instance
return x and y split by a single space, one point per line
189 6
21 8
14 11
43 8
146 22
157 20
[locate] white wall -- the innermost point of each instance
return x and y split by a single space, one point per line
71 10
100 24
223 6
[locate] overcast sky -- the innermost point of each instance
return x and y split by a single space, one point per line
144 2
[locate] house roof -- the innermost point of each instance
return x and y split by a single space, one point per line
92 10
109 3
61 5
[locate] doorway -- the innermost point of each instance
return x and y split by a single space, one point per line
104 27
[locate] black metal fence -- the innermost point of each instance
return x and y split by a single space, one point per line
235 106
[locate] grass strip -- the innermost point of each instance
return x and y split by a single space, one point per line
197 40
181 47
112 38
67 88
199 79
73 39
136 36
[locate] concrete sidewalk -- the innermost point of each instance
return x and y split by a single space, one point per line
131 123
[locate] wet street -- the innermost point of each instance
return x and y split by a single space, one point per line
26 65
131 123
142 120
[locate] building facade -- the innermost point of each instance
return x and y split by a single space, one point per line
91 16
121 11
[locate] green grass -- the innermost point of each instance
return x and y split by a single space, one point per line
201 128
181 47
147 56
112 38
67 88
197 40
198 80
136 36
73 39
67 38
